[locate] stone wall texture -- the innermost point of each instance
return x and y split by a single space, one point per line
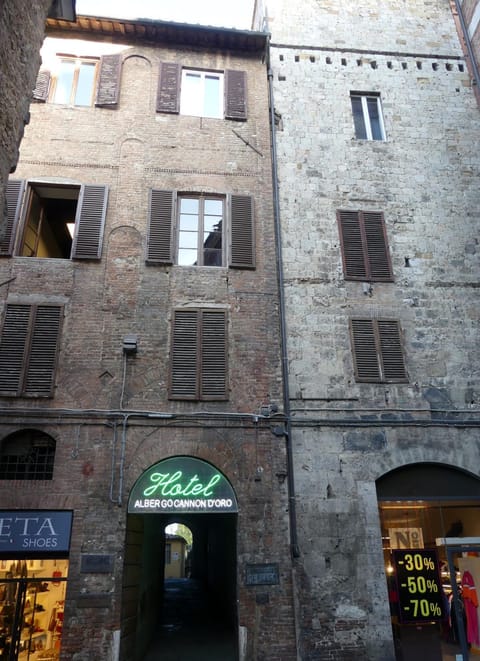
424 178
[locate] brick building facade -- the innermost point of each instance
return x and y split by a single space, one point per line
150 336
378 168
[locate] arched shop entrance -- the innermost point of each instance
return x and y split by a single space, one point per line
430 521
179 616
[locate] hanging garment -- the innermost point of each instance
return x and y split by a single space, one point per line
470 600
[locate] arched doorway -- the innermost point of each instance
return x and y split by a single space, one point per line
175 617
424 508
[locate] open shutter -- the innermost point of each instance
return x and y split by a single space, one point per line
160 226
42 86
42 356
89 222
354 267
235 95
12 348
184 357
391 350
168 92
213 374
14 196
108 87
377 247
242 248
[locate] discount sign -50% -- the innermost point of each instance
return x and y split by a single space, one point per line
418 583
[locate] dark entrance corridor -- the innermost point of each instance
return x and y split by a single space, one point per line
191 627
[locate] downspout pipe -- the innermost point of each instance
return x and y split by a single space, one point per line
468 42
292 506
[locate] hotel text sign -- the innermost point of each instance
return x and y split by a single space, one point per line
30 531
180 485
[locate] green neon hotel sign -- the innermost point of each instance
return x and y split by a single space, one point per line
181 485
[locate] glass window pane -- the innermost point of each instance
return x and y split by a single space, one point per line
187 257
188 205
64 84
191 94
211 223
188 240
189 222
213 207
211 100
359 123
374 115
212 257
86 77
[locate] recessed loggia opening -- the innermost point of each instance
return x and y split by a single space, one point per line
180 587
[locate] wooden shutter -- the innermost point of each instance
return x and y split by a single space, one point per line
168 92
160 227
43 348
108 87
214 355
364 245
235 95
14 196
184 357
199 355
42 86
13 347
89 222
28 349
391 350
377 350
242 244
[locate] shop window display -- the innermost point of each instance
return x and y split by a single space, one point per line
32 598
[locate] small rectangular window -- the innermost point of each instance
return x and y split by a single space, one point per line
367 116
363 239
201 94
377 351
199 355
28 349
200 229
74 82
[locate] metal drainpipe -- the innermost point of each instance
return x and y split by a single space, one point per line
292 507
468 42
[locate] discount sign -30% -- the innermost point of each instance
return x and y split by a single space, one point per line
418 582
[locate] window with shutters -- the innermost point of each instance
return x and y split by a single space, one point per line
47 220
27 454
377 351
200 230
74 82
202 93
363 240
367 116
28 349
198 367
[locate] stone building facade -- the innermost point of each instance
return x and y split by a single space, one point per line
378 168
140 378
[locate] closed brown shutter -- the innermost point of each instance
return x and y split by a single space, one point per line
364 245
14 196
89 222
199 355
42 86
168 92
214 355
391 350
43 351
242 248
235 95
160 227
377 350
108 87
28 349
13 347
184 358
